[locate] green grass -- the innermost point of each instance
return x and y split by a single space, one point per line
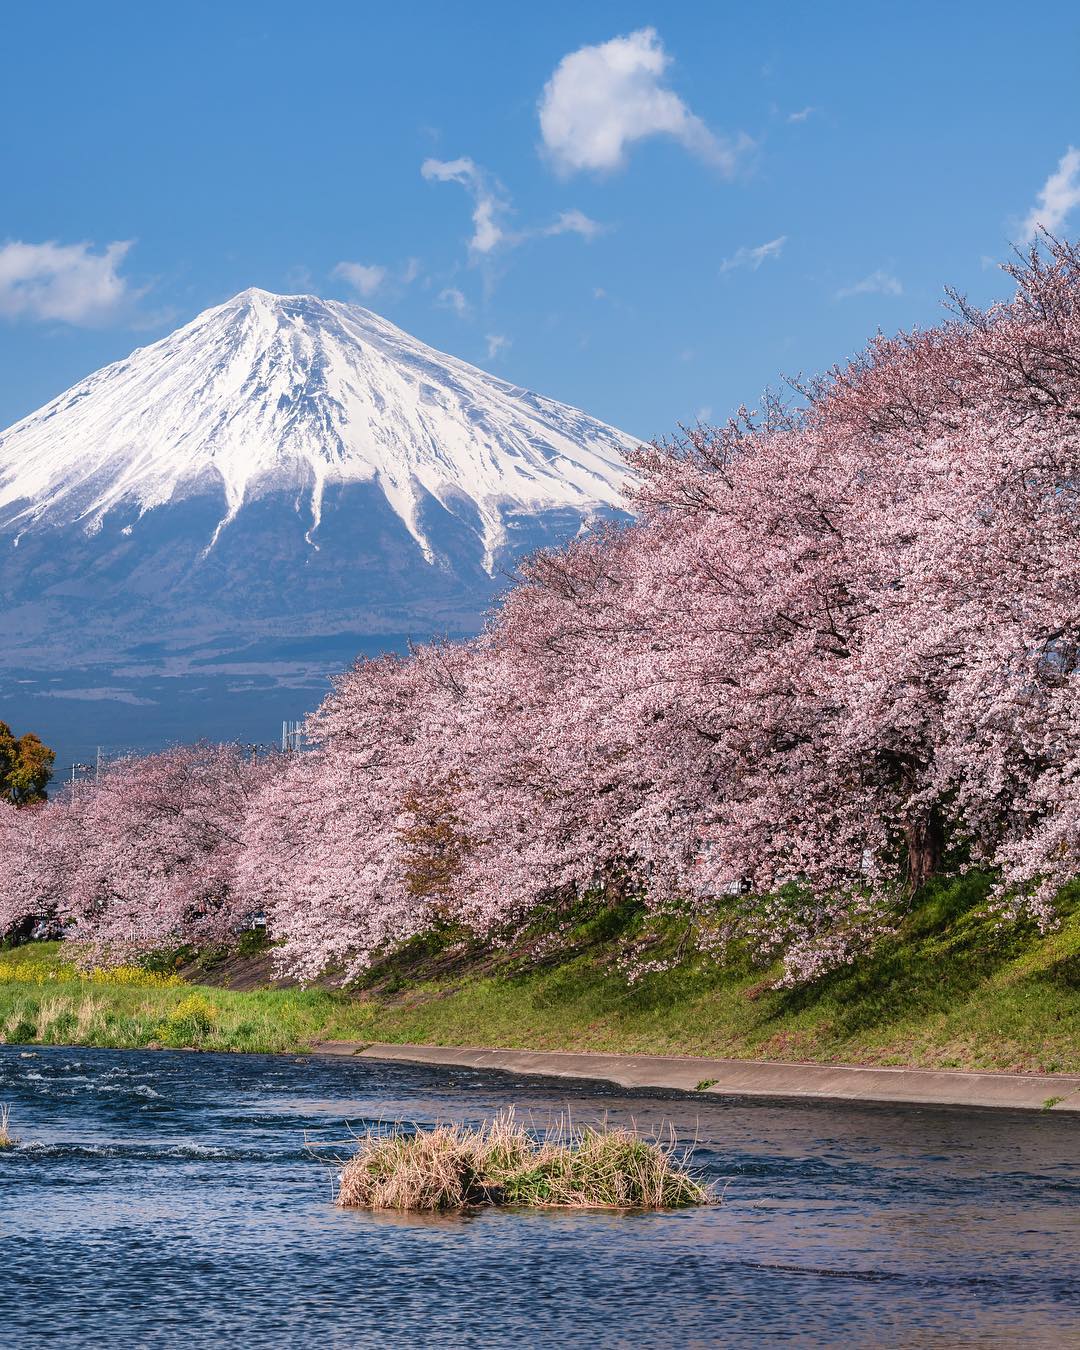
953 990
42 999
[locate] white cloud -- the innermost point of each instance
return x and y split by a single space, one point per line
104 692
452 298
410 271
877 283
496 344
489 202
365 279
602 99
1056 199
754 257
62 281
575 222
801 115
491 207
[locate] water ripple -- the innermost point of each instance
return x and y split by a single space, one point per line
160 1199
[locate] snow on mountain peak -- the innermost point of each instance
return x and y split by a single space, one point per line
268 393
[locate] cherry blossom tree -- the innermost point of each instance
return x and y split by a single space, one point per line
40 850
834 655
142 857
13 903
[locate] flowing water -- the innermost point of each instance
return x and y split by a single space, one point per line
161 1199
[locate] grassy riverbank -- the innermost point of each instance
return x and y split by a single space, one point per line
953 990
44 999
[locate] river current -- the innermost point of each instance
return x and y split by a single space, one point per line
171 1199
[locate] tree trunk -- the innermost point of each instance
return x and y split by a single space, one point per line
925 846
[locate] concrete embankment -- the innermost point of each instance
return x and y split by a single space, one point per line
749 1078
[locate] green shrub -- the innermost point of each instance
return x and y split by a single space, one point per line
21 1032
189 1023
252 941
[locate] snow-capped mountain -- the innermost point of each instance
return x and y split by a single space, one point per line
268 393
282 478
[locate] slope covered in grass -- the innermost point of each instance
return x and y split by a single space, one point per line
43 998
953 989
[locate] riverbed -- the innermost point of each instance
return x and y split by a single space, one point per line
161 1199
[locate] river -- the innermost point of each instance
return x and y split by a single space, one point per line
172 1199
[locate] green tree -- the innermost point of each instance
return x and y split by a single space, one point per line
25 767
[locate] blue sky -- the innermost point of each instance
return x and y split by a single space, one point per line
647 211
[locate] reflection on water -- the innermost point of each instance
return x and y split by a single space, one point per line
162 1199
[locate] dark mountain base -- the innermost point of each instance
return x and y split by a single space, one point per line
141 706
135 636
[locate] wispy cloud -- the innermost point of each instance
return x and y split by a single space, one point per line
452 298
300 278
602 99
496 344
364 278
877 283
104 692
801 115
490 205
575 222
368 279
603 296
68 282
1056 199
754 257
492 209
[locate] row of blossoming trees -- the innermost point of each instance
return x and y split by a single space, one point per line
835 654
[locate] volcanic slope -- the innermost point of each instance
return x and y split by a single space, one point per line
281 482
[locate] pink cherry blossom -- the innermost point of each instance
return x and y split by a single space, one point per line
836 653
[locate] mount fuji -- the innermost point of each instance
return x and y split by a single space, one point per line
206 529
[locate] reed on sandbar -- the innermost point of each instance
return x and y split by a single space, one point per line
7 1139
455 1167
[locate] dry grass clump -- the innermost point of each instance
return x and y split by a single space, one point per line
501 1163
7 1139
